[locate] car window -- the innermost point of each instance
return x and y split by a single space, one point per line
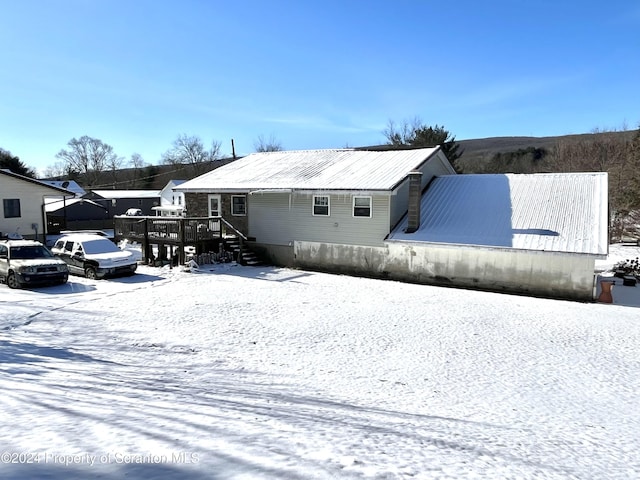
59 244
3 250
100 245
68 246
27 252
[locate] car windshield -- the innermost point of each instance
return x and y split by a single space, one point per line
99 245
27 252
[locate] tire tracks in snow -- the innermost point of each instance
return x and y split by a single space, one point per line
79 298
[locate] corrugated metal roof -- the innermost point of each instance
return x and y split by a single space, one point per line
559 212
343 169
127 193
58 204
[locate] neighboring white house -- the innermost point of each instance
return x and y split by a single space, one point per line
171 201
23 204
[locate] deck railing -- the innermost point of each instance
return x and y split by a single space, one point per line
170 230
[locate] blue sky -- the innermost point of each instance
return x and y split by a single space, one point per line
312 74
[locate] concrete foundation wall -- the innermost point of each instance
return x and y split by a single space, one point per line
533 273
280 255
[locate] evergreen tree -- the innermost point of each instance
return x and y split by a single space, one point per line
13 163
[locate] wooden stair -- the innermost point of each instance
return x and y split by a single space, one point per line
247 257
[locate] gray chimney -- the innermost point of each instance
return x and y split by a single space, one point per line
415 197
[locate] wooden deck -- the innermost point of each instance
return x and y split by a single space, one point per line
200 232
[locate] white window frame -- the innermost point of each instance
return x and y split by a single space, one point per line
328 205
353 206
209 210
233 206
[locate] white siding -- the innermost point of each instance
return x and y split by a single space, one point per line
31 196
282 218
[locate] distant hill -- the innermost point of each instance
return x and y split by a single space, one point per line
476 152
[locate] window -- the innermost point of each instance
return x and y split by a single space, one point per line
320 205
238 205
214 205
362 206
11 207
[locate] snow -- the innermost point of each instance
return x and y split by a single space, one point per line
232 372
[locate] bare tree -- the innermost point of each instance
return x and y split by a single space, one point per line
137 163
190 151
611 152
56 170
267 145
402 134
87 156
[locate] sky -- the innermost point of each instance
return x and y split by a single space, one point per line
313 74
287 374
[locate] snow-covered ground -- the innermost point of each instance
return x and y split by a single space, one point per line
266 373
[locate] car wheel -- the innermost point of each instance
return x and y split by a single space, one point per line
12 280
90 272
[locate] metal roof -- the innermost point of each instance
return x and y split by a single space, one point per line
127 193
344 169
55 205
558 212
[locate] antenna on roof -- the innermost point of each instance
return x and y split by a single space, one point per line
233 149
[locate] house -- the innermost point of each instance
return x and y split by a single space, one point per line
171 201
23 204
117 202
405 215
342 197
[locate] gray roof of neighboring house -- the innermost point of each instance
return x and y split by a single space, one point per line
127 193
558 212
56 205
71 185
342 169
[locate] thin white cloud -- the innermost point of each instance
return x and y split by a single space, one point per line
501 92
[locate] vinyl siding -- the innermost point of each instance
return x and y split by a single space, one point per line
31 198
282 218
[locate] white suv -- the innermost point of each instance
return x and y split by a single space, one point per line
94 256
27 262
